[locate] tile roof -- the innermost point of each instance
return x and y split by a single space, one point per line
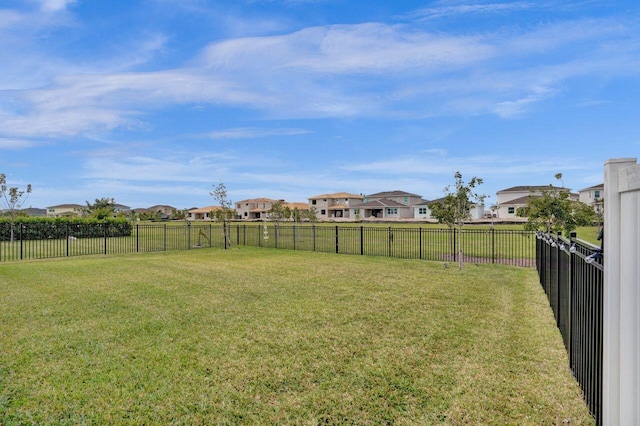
337 195
530 188
380 203
205 209
396 193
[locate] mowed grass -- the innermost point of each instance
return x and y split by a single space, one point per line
261 336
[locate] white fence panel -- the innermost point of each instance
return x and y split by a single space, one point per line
621 369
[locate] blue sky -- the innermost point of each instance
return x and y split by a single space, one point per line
157 101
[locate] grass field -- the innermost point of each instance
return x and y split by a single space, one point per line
259 336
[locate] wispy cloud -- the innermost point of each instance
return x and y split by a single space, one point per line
361 70
444 10
254 132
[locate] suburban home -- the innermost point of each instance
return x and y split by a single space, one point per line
203 213
254 209
121 208
388 205
511 199
335 206
593 196
422 210
475 212
64 210
301 207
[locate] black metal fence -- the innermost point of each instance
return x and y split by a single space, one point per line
571 273
99 238
512 247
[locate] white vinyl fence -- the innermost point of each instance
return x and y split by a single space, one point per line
621 347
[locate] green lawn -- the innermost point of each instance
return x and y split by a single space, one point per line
260 336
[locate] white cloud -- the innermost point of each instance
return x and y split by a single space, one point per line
55 5
253 132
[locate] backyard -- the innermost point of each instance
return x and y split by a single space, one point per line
264 336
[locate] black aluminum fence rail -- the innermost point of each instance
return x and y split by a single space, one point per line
571 273
511 247
97 238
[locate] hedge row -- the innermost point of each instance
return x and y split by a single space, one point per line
57 228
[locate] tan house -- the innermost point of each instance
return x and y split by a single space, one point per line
65 210
203 213
388 205
254 209
335 206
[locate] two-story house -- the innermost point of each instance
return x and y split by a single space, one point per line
511 199
254 208
593 196
335 206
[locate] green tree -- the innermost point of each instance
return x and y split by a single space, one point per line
225 214
101 209
311 215
11 200
455 208
552 210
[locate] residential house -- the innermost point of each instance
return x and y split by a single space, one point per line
254 209
475 212
301 207
388 205
64 210
335 206
593 196
159 211
511 199
422 210
203 213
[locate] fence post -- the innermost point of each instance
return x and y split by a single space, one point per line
361 240
570 322
337 245
165 237
21 242
420 239
493 244
67 236
313 231
188 235
621 364
455 249
104 228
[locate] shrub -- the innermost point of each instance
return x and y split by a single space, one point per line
36 228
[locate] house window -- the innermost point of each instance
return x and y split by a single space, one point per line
313 202
511 210
245 214
596 194
392 211
422 210
323 212
406 200
356 211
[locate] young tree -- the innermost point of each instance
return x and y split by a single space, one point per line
553 210
278 212
102 208
226 211
455 208
12 199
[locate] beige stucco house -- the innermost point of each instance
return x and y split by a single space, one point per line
64 210
203 213
335 206
254 209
